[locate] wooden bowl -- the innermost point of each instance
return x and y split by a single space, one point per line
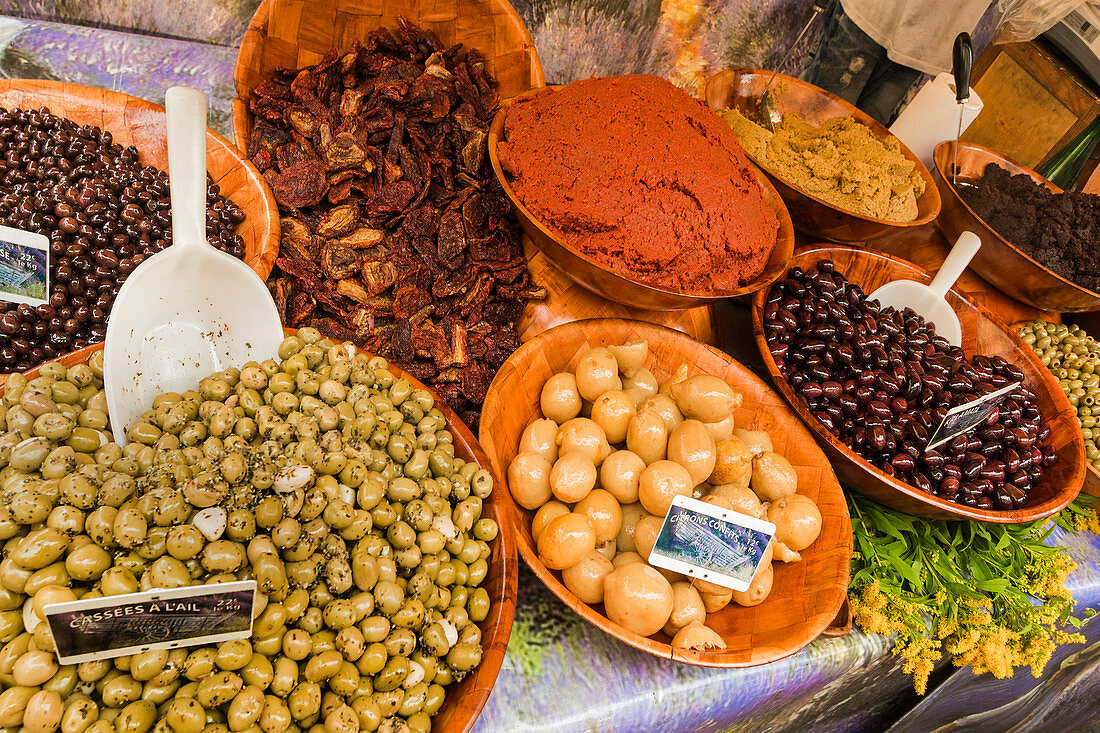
815 217
566 301
805 596
616 286
999 261
133 121
984 334
295 33
464 700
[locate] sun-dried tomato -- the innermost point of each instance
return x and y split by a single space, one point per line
338 221
299 186
299 308
339 262
409 300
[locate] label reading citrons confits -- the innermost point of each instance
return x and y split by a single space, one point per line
710 543
102 628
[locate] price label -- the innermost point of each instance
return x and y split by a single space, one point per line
710 543
24 267
113 626
967 416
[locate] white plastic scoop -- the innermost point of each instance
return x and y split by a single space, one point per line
191 309
928 300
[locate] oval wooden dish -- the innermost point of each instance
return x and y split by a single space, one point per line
133 121
295 33
614 285
805 595
982 334
815 217
465 699
999 261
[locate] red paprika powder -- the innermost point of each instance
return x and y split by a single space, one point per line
641 177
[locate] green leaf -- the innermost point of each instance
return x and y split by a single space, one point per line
994 585
905 570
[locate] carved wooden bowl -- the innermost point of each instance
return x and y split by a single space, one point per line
616 286
296 33
814 217
998 261
133 121
805 597
982 333
465 699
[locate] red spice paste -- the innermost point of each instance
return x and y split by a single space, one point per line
639 176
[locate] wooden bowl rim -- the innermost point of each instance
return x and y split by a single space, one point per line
257 29
862 117
714 658
784 235
66 90
960 511
967 147
502 612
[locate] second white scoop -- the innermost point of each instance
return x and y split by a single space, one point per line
928 300
189 310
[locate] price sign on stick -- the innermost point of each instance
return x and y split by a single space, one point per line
967 416
710 543
113 626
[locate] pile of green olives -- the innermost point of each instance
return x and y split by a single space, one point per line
1073 357
323 476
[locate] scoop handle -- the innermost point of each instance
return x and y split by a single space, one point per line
966 246
962 61
186 112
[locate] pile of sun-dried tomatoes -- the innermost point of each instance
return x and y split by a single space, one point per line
396 233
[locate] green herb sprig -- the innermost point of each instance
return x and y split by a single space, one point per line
993 596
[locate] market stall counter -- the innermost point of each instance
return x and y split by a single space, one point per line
563 674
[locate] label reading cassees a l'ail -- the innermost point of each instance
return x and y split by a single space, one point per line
113 626
710 543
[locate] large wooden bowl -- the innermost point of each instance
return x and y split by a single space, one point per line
616 286
982 333
815 217
295 33
999 261
133 121
464 700
805 596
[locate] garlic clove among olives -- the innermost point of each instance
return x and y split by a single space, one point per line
290 478
211 521
449 631
30 618
445 526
